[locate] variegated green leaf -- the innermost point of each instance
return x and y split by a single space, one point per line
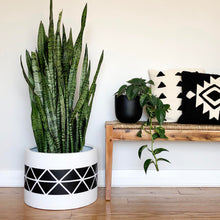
41 44
38 129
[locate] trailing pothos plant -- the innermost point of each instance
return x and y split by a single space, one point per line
60 112
155 110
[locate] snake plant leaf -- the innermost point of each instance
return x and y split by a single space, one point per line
76 57
61 111
80 101
41 44
50 86
50 141
93 86
60 84
84 74
31 86
141 150
51 38
51 24
29 65
147 164
37 76
58 52
30 73
159 150
65 60
38 129
50 113
98 67
41 112
70 45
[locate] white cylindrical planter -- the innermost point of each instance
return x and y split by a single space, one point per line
60 181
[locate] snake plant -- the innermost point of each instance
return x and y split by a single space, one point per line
60 108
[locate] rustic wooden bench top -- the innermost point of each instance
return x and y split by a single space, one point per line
116 131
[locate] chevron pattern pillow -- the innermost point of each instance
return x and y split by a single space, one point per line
168 87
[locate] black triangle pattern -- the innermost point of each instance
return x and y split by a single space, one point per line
70 186
58 190
47 186
60 182
162 96
82 171
25 169
178 74
81 188
162 85
37 172
37 189
89 182
180 95
160 74
30 183
59 173
26 185
47 176
90 173
179 83
95 168
94 183
71 176
30 174
180 108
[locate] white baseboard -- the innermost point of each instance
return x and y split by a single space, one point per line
163 178
137 178
12 178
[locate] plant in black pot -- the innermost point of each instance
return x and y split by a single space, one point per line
127 100
155 109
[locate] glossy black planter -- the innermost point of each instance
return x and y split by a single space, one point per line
127 111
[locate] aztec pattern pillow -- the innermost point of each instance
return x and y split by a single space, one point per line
201 98
168 87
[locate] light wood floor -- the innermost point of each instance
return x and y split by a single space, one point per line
126 203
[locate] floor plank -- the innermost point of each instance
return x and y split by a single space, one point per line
126 203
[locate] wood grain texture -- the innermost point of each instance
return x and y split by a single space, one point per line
173 135
126 203
108 159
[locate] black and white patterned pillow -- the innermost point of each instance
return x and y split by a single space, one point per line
201 98
168 87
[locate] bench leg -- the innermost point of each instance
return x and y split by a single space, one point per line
108 161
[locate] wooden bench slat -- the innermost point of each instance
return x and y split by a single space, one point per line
167 126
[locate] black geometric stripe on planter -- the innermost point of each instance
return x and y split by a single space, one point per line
60 182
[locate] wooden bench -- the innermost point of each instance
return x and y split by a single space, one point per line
116 131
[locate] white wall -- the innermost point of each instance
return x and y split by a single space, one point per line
136 36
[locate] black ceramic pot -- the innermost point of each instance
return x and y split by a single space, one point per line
127 111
